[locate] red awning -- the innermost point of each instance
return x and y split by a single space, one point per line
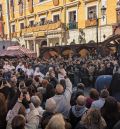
23 50
18 51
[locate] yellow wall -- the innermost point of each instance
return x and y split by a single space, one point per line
111 11
44 6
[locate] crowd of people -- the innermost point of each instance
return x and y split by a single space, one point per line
51 93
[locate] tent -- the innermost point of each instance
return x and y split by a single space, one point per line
18 51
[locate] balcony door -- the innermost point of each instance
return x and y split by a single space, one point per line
92 12
13 28
72 17
42 20
56 18
72 20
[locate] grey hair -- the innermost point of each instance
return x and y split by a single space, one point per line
36 101
50 105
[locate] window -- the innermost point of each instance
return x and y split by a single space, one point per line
72 16
13 28
92 12
21 25
42 0
42 20
56 18
72 23
31 23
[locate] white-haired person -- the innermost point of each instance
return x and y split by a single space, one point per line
50 107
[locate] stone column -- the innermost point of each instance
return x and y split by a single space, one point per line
28 45
37 50
34 42
60 41
48 43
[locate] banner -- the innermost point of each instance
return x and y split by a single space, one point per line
55 2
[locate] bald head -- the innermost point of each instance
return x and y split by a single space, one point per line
81 100
59 89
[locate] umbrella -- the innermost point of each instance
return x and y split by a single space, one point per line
103 82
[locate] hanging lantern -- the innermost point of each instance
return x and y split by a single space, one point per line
55 2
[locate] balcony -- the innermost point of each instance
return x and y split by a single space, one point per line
72 25
14 35
90 22
45 27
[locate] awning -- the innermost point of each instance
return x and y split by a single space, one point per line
18 51
84 52
68 52
53 53
50 54
9 53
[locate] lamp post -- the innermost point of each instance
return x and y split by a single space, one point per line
103 11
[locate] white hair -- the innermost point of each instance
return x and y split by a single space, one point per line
50 105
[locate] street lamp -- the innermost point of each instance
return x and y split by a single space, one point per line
103 13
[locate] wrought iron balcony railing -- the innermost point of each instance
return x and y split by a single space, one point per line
72 25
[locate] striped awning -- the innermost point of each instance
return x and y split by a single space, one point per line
10 53
18 51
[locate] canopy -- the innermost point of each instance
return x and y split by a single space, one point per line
49 54
18 51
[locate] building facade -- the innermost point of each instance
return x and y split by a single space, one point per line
35 23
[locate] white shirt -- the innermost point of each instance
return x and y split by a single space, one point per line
6 68
21 67
62 74
29 72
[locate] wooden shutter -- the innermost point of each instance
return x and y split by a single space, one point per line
56 2
30 6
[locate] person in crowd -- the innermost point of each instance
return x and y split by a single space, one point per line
117 125
114 88
79 91
50 107
37 102
20 66
32 117
98 104
56 122
29 71
38 73
62 97
93 95
92 120
3 111
19 122
62 72
110 112
76 112
47 79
